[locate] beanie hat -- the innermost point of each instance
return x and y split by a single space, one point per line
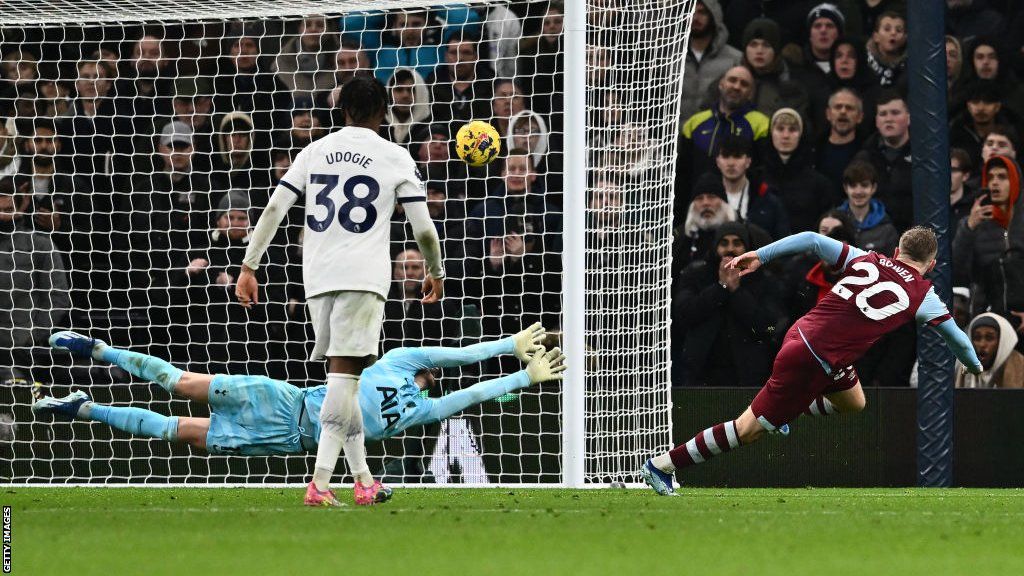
709 183
827 10
234 200
734 229
790 113
764 29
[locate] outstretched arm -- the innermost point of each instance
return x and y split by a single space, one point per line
523 345
836 253
961 345
544 366
935 314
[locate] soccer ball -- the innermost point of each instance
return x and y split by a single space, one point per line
477 143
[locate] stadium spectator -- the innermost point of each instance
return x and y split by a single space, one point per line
449 216
193 106
239 164
305 63
142 94
888 151
984 106
733 114
19 67
762 45
805 192
89 127
849 70
462 83
806 277
409 322
729 321
967 19
431 148
34 296
409 104
708 56
410 37
508 101
843 141
541 62
521 194
517 279
954 72
887 56
708 209
604 223
245 84
825 24
961 194
209 278
1002 140
994 340
502 32
53 187
528 130
306 127
753 201
349 61
10 161
875 231
981 238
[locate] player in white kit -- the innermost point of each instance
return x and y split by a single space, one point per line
350 181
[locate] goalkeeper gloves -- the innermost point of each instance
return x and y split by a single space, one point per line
528 341
546 365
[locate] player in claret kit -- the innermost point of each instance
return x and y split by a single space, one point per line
350 182
813 372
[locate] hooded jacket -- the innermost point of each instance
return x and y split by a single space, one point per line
699 75
976 251
540 152
876 232
1007 369
401 130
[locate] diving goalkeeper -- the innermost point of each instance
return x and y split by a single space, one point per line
256 415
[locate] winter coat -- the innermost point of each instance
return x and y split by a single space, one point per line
875 233
33 286
401 131
306 73
765 210
805 192
894 179
1007 369
728 339
700 75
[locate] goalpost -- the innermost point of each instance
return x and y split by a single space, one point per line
129 127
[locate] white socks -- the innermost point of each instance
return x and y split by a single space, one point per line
341 424
664 463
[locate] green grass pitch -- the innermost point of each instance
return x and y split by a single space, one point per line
213 532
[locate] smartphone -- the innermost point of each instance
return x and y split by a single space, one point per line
986 197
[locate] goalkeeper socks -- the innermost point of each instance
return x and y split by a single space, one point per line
135 421
151 368
341 425
820 407
704 446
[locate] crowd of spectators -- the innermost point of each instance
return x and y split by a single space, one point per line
132 170
795 118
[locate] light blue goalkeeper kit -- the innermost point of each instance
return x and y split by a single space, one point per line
256 415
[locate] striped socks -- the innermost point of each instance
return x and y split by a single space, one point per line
706 445
820 407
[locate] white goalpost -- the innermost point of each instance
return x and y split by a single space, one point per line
134 134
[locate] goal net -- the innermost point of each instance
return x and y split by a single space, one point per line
139 141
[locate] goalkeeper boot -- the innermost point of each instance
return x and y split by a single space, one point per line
65 408
77 344
320 498
368 495
660 482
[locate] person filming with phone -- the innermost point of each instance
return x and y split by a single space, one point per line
983 237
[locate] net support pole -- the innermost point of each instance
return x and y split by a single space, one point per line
929 142
574 244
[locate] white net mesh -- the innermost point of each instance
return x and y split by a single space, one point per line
131 128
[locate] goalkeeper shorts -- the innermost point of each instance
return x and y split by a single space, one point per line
253 416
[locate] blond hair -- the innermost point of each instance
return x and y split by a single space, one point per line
919 244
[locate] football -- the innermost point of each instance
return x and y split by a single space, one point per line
477 143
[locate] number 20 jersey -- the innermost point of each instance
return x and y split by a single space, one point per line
874 296
350 180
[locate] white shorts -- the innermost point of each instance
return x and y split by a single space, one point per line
346 323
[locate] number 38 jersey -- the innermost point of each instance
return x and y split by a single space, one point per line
874 296
350 180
